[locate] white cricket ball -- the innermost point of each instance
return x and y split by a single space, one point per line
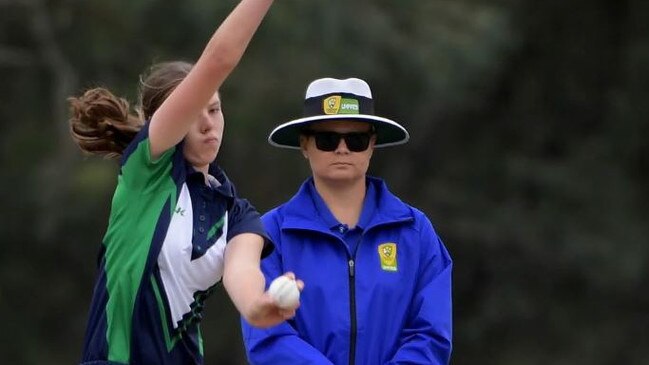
284 290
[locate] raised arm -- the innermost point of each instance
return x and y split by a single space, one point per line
171 122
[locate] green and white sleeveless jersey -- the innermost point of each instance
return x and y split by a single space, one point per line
161 257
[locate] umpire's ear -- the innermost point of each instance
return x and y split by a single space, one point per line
303 141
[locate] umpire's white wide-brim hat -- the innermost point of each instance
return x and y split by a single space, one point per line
335 99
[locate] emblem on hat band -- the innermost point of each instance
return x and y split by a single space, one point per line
338 104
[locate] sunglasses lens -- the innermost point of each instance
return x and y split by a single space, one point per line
329 141
357 142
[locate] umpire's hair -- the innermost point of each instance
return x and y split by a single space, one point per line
102 123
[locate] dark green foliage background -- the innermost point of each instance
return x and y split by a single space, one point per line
529 123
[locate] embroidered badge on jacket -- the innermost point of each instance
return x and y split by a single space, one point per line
388 256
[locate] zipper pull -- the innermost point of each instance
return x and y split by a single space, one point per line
351 268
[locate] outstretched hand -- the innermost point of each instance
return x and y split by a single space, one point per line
266 312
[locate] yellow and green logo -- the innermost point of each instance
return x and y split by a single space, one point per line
388 256
338 105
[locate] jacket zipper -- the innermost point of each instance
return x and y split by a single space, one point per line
352 310
352 303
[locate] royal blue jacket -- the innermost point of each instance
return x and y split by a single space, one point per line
384 300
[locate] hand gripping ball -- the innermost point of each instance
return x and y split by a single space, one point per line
284 290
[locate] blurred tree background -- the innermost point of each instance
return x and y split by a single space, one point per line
529 123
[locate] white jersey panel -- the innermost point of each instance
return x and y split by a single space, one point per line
181 276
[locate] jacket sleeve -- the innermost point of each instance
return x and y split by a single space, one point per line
426 337
280 344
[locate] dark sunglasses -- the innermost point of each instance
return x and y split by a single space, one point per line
329 141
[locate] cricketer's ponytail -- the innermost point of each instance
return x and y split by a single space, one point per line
102 123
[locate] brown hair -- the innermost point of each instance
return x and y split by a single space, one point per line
102 123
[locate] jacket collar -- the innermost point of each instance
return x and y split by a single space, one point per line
301 209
